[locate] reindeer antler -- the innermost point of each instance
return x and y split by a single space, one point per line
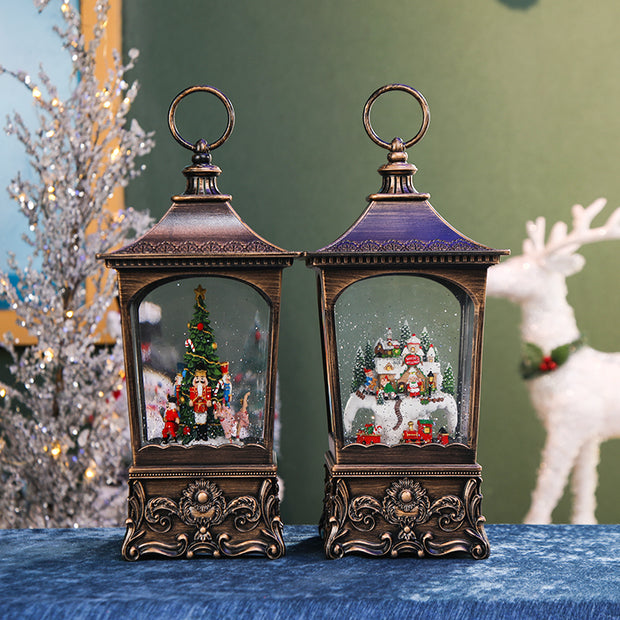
563 242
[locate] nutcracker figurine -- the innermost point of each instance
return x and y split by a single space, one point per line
201 403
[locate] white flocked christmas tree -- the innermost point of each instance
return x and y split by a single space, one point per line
63 429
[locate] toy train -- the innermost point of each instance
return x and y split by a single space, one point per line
369 434
421 435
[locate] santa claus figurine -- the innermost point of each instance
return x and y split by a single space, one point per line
171 421
413 388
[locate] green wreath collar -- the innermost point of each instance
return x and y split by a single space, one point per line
534 363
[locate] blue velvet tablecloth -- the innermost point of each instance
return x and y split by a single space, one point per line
558 571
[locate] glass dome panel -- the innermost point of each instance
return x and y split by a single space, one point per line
404 360
203 346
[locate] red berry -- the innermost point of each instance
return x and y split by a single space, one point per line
547 364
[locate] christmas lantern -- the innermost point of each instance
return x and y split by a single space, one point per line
402 298
200 297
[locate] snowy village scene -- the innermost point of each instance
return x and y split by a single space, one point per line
204 366
399 372
400 393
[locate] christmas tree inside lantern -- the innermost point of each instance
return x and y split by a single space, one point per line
197 390
202 395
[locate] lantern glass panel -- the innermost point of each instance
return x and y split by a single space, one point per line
404 360
204 342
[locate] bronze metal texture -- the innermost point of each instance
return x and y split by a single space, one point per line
405 498
429 515
426 114
189 500
200 146
188 516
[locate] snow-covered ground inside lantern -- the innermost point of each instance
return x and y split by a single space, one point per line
393 416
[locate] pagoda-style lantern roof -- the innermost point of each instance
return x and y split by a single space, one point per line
201 226
399 219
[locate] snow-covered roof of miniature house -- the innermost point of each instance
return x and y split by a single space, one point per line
387 366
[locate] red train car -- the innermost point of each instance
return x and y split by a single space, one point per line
369 434
423 434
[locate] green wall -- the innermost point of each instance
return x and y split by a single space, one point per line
524 104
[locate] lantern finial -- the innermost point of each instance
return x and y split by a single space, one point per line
202 174
397 173
397 151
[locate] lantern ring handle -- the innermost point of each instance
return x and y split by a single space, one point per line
200 145
408 89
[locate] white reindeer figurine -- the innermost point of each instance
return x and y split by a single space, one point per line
556 360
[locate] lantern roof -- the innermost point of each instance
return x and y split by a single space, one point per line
201 227
201 223
399 219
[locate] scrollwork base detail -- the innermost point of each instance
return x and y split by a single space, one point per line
405 520
203 522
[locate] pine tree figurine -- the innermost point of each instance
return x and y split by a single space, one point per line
405 333
358 371
447 385
425 341
200 377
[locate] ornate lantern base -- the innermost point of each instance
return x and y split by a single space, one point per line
386 510
203 512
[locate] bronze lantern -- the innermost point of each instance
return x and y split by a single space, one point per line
402 297
199 298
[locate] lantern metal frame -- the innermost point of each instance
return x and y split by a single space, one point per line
388 500
189 500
